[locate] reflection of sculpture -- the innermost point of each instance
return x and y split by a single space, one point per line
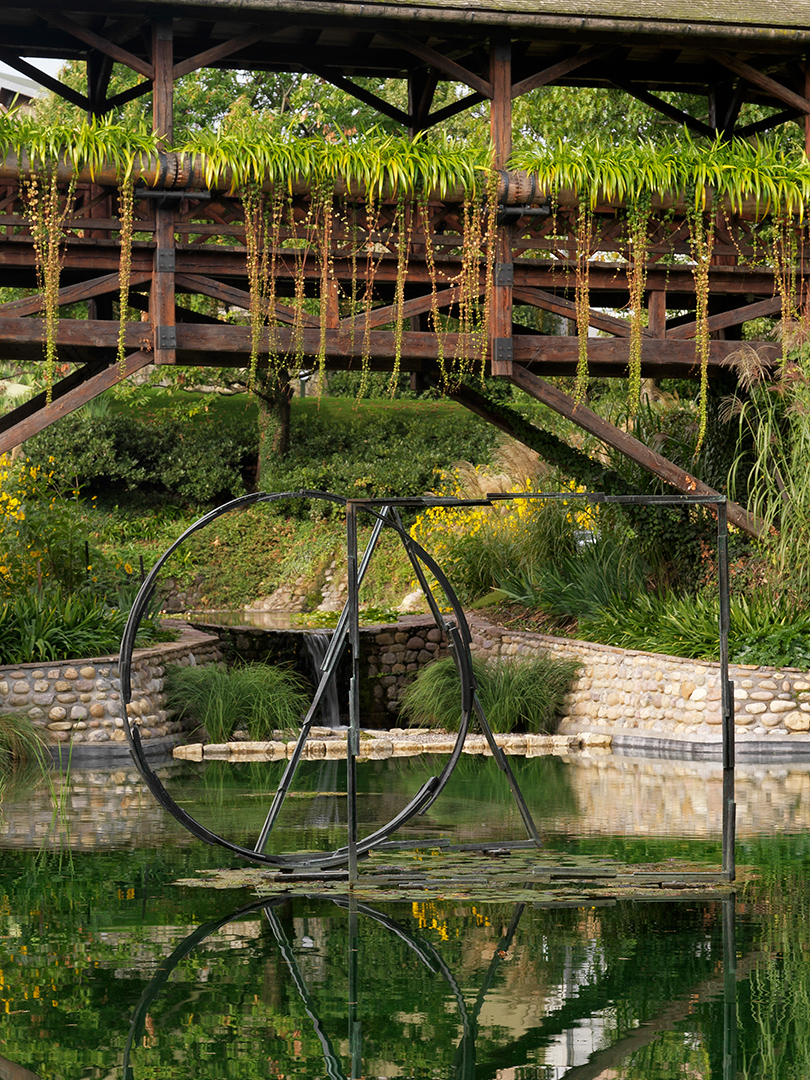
456 632
464 1063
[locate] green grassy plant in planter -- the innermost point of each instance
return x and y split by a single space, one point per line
255 698
526 694
23 757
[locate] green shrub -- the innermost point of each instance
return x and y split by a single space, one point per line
373 449
54 624
195 459
257 698
526 694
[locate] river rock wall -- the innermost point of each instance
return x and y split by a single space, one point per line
644 698
79 701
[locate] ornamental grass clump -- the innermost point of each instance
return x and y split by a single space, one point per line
526 694
257 698
23 755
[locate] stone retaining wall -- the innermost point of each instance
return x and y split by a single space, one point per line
79 701
626 693
390 656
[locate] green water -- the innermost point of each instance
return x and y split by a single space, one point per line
105 964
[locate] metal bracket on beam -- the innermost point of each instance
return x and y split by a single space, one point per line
166 338
502 351
165 261
504 275
515 213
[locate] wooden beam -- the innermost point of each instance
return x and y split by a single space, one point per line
560 306
629 446
417 306
664 107
764 82
217 52
452 109
71 294
773 306
443 63
561 68
66 399
361 94
228 294
59 88
95 41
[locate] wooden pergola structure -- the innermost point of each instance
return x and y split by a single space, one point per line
727 53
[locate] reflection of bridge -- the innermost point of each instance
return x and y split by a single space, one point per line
192 240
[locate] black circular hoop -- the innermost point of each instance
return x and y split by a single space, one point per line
430 790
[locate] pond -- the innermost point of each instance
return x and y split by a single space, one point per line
109 969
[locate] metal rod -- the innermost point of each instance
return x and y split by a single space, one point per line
726 695
353 741
505 767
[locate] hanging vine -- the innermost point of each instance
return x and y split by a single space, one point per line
701 239
126 215
638 219
584 240
46 212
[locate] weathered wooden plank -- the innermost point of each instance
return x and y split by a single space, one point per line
558 70
764 82
228 294
217 52
730 318
628 445
443 63
558 305
66 401
71 294
96 41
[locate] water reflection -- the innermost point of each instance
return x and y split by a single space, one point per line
349 991
94 809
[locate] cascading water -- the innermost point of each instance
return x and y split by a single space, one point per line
316 643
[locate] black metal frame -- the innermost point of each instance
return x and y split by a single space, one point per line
386 514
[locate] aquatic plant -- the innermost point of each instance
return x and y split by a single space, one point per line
257 698
524 694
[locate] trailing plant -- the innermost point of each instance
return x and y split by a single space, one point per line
525 694
638 219
256 698
126 216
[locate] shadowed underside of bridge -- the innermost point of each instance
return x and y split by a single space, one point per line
191 238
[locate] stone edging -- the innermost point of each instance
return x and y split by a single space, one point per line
398 742
624 692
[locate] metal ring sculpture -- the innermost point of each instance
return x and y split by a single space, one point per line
458 634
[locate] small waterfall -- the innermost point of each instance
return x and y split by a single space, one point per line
316 643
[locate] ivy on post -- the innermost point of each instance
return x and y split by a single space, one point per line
161 297
500 75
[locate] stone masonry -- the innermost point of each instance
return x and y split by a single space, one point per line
79 701
629 693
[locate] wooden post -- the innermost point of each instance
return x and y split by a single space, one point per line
657 313
500 75
161 297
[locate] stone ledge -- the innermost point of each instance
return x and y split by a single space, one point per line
396 743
